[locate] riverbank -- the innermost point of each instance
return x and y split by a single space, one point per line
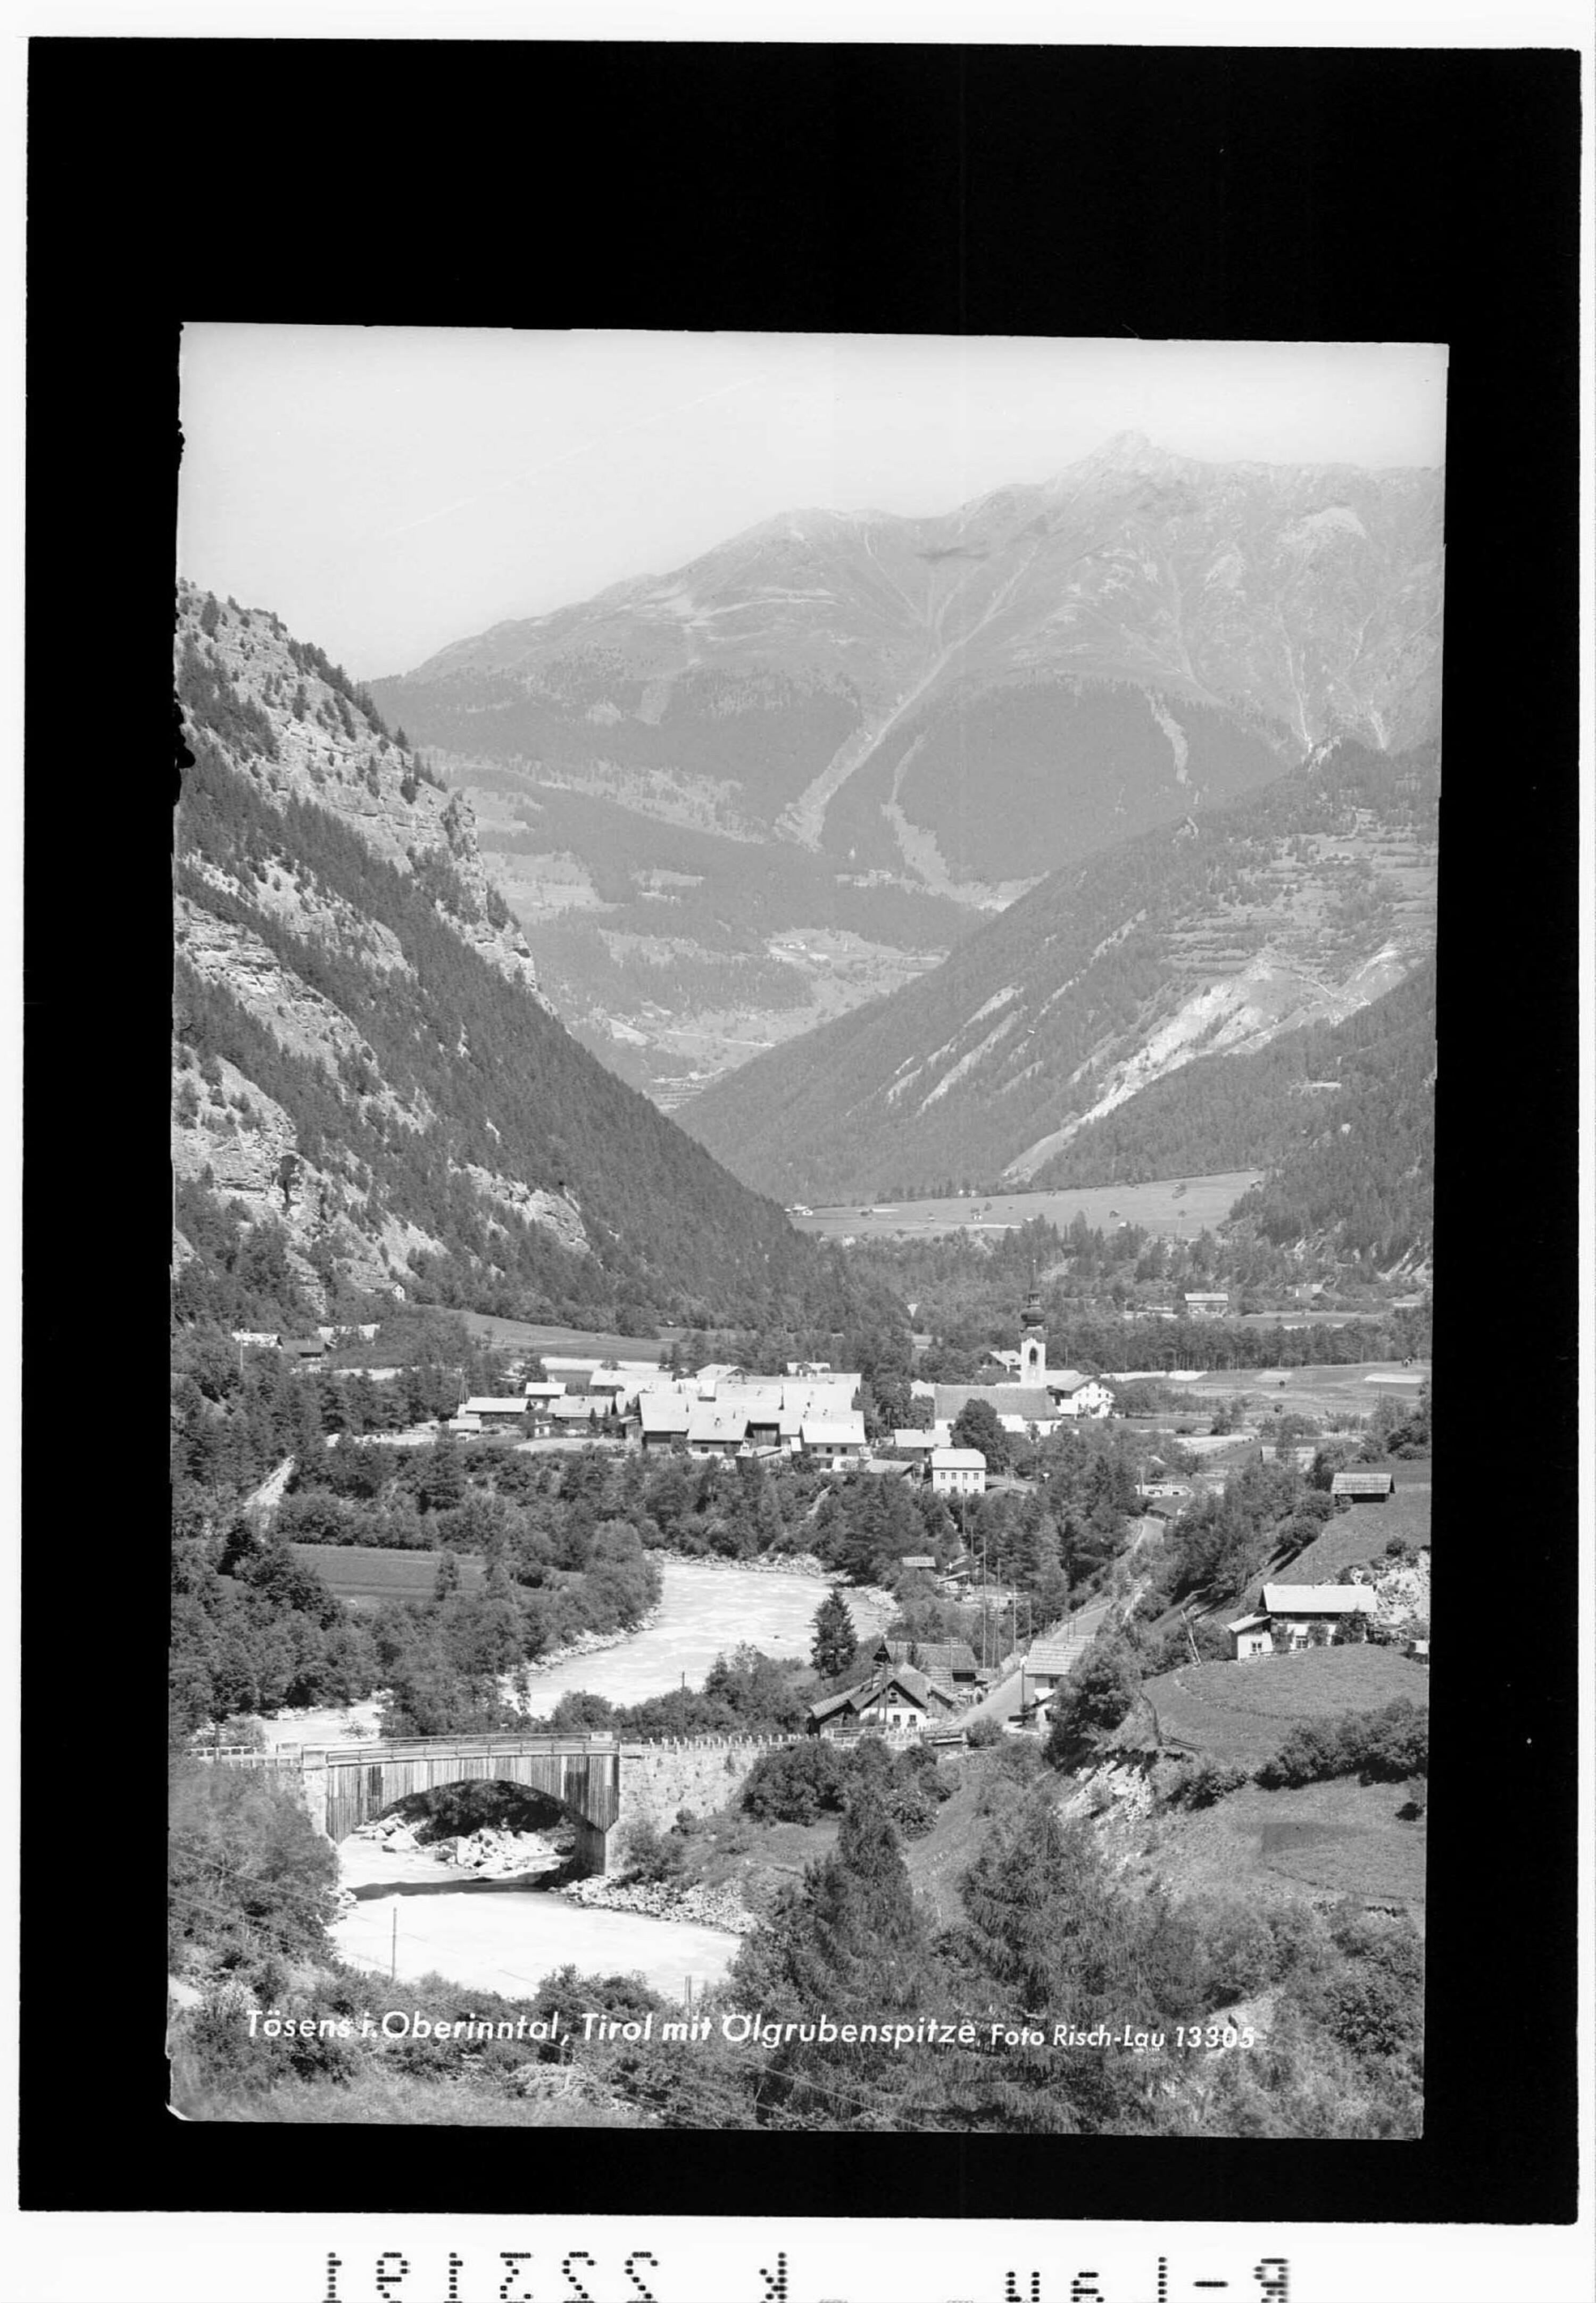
707 1607
710 1907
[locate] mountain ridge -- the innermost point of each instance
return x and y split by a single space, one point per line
1139 637
1302 902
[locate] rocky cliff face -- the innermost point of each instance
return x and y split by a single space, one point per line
313 742
330 751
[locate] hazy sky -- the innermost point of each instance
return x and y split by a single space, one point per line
387 490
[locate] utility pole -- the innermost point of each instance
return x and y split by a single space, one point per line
393 1953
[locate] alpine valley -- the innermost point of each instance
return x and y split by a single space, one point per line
743 799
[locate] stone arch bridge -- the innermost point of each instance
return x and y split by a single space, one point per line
598 1780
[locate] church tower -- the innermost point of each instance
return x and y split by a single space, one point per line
1033 1341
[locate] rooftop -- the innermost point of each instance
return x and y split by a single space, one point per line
1318 1599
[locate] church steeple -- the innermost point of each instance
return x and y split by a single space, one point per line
1033 1340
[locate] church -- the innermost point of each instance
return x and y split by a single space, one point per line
1039 1397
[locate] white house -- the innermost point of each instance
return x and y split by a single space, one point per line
838 1438
1249 1637
1089 1395
958 1472
1292 1609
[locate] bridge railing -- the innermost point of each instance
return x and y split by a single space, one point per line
478 1747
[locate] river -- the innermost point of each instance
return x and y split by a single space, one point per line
506 1934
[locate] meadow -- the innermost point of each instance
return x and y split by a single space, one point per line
1178 1208
1242 1711
1337 1838
1362 1534
363 1576
565 1343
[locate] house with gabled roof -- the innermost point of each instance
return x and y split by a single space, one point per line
958 1472
835 1439
1291 1610
1363 1487
1032 1403
716 1430
895 1698
950 1661
663 1417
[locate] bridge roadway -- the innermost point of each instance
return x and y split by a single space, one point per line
346 1785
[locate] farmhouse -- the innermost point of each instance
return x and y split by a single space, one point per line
896 1697
533 1392
1050 1661
916 1445
578 1411
1087 1395
1363 1487
495 1414
1291 1610
1207 1306
950 1662
837 1439
1249 1637
716 1430
665 1416
958 1472
309 1351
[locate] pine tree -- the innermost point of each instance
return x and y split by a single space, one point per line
850 1946
836 1642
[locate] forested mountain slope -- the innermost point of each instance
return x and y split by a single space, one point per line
369 1095
1298 905
912 717
1255 1109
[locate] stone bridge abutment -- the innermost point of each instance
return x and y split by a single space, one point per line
600 1780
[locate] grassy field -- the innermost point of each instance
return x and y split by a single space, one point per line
1337 1838
1325 1393
1176 1208
1361 1534
364 1577
565 1343
1242 1711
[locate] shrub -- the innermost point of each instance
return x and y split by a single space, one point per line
655 1856
798 1785
981 1735
1204 1780
1383 1746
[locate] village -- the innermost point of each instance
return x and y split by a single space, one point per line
1005 1676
